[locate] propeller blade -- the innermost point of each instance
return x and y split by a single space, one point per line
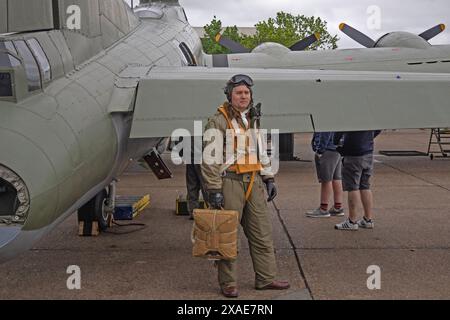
231 44
305 43
433 32
356 35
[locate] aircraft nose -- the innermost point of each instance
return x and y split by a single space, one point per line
28 180
15 211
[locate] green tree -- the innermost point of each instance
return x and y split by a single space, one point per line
285 29
210 45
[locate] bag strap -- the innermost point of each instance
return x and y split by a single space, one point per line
250 186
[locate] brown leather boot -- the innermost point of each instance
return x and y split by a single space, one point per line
230 292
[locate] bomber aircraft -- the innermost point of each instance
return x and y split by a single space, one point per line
88 85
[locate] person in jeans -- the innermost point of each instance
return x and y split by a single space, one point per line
357 169
328 167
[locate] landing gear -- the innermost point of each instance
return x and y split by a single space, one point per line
95 216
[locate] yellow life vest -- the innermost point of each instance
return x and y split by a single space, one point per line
249 162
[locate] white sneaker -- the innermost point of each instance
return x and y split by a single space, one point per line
363 223
347 225
318 213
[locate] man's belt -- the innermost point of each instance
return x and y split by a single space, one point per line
245 177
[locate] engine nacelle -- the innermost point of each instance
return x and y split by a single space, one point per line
271 48
402 40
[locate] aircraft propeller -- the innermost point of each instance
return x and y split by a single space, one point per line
232 45
367 42
305 43
356 35
236 47
432 32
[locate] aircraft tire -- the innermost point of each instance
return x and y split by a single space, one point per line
94 210
99 209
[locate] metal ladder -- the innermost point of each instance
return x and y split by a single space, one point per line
439 142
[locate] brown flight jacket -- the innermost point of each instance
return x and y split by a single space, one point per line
211 173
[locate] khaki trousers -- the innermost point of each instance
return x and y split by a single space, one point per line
257 226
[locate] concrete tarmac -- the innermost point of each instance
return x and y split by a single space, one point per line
410 243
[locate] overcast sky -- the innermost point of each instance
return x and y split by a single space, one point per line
414 16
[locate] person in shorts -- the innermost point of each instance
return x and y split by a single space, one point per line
328 167
357 169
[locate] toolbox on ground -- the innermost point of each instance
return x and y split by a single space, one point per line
181 206
129 207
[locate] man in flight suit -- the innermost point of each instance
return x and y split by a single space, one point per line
240 186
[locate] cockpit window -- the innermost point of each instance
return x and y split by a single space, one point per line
41 58
8 45
7 60
5 85
188 54
31 66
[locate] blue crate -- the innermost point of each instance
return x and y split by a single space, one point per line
127 207
123 212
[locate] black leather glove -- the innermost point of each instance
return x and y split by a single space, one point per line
271 189
215 200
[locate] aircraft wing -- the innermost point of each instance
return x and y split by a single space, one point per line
295 100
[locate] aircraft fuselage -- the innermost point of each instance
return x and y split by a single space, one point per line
68 141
